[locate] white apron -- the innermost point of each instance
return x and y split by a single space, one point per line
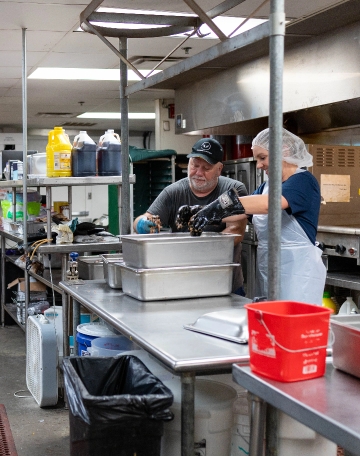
303 273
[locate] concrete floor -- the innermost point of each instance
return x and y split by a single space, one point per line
36 431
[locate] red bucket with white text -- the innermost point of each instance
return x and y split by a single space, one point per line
287 339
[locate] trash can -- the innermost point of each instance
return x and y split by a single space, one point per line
116 406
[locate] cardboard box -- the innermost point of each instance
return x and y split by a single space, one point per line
34 286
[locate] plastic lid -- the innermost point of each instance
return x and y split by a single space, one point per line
94 329
327 294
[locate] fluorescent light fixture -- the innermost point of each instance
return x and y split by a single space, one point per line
116 115
225 23
90 74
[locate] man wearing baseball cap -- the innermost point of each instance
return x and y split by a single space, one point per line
203 185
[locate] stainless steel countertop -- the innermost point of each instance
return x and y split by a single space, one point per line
157 326
330 405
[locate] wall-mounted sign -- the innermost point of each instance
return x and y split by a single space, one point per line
335 188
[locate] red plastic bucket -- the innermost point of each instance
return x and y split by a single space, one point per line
288 340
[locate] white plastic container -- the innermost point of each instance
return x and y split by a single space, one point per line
296 439
55 316
348 307
213 418
111 346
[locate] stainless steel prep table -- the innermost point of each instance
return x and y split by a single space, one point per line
330 405
157 327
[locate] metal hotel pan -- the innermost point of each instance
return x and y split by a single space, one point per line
177 283
112 271
230 324
164 250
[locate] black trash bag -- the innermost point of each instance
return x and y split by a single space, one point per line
105 390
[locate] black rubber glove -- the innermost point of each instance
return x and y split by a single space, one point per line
227 204
184 215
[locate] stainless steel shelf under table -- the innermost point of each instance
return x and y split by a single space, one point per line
330 405
344 280
157 327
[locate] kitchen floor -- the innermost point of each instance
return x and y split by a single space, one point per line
36 431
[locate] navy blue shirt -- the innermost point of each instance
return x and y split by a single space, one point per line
302 192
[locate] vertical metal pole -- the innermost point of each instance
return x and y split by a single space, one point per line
65 306
272 434
48 213
70 201
187 413
277 31
75 322
3 281
124 110
257 425
24 122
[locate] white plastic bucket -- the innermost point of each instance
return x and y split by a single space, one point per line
55 316
111 346
213 418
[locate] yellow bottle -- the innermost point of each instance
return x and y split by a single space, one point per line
328 302
58 154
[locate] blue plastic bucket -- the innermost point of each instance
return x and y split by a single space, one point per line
111 346
87 332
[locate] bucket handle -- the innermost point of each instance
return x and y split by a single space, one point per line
259 317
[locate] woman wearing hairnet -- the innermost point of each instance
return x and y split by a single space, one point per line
303 273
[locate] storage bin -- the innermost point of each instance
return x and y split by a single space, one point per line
213 418
287 339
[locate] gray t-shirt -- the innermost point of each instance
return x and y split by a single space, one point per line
179 194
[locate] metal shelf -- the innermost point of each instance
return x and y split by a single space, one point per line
344 280
45 279
66 181
13 315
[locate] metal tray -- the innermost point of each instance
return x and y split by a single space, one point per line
345 350
112 271
177 249
228 324
90 267
178 282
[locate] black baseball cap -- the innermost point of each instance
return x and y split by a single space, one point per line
209 149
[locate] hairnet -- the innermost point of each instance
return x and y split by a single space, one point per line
293 147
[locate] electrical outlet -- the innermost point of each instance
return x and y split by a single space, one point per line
89 195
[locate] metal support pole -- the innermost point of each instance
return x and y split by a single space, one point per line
257 425
277 32
187 414
24 179
70 201
65 306
272 435
75 322
3 281
48 213
124 214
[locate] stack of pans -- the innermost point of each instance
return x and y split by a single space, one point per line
176 265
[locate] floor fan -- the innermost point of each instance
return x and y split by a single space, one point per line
41 360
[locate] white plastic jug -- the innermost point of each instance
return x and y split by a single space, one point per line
348 307
81 138
108 154
109 137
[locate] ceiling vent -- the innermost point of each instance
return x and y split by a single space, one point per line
55 114
78 124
